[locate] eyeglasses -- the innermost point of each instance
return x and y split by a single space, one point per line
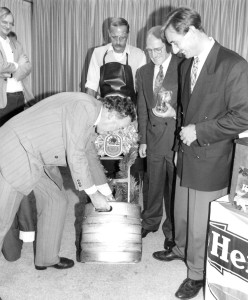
120 38
5 23
155 50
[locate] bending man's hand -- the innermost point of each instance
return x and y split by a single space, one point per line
100 201
142 150
188 134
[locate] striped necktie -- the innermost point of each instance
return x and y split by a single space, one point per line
193 75
159 80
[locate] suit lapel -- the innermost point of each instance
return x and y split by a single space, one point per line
202 84
148 79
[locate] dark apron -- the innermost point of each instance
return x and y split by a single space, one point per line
116 77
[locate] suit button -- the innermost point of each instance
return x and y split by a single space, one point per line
165 123
153 125
197 156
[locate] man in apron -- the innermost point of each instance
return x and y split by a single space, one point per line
113 69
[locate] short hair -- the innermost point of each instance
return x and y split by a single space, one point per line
116 22
155 31
124 106
181 19
4 12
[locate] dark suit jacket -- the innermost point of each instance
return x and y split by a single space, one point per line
218 107
157 133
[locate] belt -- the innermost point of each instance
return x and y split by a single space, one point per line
16 93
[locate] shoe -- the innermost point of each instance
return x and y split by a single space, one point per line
189 288
144 232
65 263
168 244
166 256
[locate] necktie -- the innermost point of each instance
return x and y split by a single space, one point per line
159 80
194 73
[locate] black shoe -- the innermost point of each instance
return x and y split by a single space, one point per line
189 288
144 232
166 256
65 263
168 244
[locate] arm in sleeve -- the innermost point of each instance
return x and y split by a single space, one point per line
93 76
85 166
6 67
24 69
141 109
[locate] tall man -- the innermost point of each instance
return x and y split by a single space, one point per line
113 69
214 102
157 133
58 130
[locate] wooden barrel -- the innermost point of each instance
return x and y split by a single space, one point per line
112 237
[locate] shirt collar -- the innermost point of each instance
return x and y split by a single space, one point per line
127 49
4 40
99 117
204 54
165 64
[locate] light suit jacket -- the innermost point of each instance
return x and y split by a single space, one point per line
54 132
157 133
20 73
218 107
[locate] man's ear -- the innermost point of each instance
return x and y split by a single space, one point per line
111 114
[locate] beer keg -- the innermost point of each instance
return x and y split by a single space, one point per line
112 237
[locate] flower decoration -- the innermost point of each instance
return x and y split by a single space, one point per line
129 136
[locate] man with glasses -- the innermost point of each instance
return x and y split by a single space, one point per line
157 133
113 69
113 66
213 111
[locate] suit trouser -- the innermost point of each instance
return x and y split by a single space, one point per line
191 213
51 203
160 173
25 221
15 105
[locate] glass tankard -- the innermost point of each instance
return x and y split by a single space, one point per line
163 97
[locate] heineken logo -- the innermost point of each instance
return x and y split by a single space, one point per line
113 145
227 251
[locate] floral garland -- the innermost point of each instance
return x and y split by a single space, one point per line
129 137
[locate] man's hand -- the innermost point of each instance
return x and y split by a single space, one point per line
5 75
142 150
188 134
23 59
99 201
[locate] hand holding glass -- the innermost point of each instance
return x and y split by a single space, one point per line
163 98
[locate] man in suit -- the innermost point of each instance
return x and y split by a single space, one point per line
214 110
15 68
58 130
157 133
